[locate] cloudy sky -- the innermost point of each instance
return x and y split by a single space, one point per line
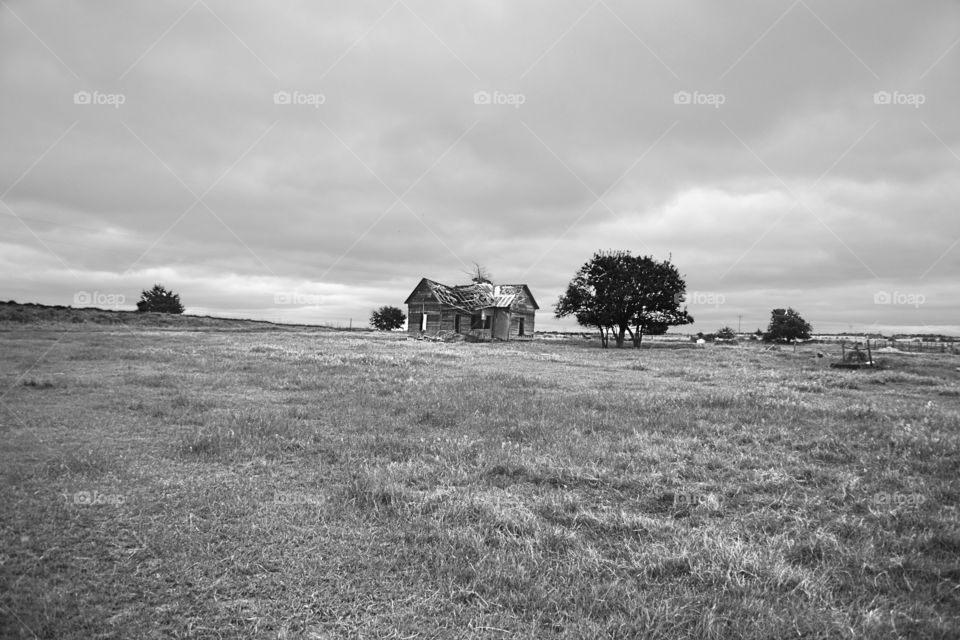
309 161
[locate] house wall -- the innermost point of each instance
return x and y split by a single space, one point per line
506 324
523 307
501 323
448 320
465 319
442 317
422 301
433 312
528 324
439 318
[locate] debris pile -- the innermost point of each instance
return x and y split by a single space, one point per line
442 336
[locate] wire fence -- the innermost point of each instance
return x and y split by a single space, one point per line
913 345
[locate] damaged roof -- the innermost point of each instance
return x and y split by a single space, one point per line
476 296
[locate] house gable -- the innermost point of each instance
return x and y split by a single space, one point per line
421 292
522 298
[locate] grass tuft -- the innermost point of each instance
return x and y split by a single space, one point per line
39 383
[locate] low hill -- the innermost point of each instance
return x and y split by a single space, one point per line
14 314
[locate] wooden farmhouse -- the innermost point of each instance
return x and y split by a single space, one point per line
495 312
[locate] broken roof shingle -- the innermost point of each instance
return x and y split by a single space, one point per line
476 296
469 297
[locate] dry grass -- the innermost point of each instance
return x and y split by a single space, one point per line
305 484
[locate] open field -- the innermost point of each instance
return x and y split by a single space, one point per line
318 484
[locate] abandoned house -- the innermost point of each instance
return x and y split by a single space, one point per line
501 312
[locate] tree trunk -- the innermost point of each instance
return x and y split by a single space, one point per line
637 336
603 338
618 334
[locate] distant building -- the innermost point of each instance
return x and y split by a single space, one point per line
501 312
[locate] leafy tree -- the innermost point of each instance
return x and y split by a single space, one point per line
387 318
658 292
786 326
160 300
657 328
580 301
726 333
620 294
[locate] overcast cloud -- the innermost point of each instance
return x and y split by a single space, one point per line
304 161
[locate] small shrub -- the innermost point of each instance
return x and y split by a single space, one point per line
726 333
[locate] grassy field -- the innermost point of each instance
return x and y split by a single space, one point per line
319 484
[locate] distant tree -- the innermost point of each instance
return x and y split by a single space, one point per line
786 325
726 333
387 318
620 294
657 328
160 300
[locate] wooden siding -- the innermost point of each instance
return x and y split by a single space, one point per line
501 324
528 324
506 323
522 307
522 303
439 317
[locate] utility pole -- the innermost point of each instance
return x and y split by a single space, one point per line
739 318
